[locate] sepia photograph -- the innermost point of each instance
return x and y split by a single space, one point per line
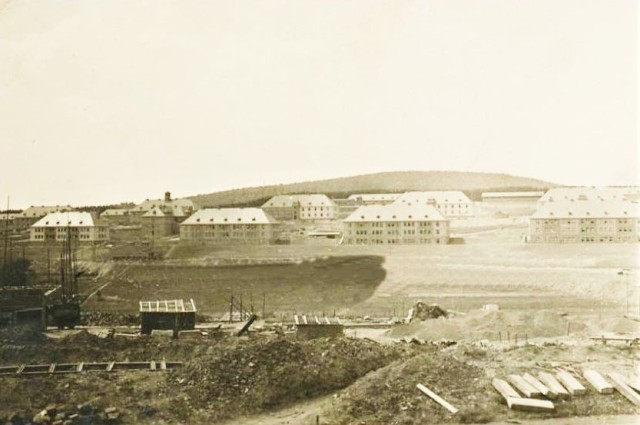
319 212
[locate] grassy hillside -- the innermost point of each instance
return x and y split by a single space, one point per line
399 181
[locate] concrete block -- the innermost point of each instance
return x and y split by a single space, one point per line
552 383
619 383
597 381
530 404
535 383
523 386
504 388
570 383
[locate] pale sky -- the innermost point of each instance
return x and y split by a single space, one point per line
104 101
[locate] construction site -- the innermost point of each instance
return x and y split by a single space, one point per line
491 331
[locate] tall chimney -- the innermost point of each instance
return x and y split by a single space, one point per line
167 196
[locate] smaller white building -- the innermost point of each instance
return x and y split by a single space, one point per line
374 198
450 203
300 207
79 225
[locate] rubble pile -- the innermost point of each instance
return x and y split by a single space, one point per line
389 395
424 311
265 374
53 414
101 318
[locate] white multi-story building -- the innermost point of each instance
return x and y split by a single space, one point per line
80 226
396 224
230 225
450 203
300 207
585 221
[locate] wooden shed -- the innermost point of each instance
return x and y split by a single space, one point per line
176 315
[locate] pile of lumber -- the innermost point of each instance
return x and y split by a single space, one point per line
536 393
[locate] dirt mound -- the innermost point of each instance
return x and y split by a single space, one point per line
390 396
491 325
258 375
619 325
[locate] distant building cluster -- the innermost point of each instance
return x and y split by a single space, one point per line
560 215
587 215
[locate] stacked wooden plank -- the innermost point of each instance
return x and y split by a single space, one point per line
515 402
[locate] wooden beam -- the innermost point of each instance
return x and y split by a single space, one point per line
435 397
552 383
570 383
79 367
523 386
295 318
110 366
163 365
52 367
620 385
504 388
597 381
20 369
152 365
535 383
530 404
633 381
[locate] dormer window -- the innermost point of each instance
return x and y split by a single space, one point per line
197 220
225 219
239 219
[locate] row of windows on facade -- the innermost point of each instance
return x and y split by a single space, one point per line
393 241
394 224
585 221
224 226
590 229
62 237
393 232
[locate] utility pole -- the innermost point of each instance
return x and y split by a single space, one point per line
6 233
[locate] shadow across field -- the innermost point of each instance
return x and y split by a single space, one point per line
316 286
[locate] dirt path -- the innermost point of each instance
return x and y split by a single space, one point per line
304 413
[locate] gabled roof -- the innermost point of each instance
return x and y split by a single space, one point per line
436 196
284 201
230 216
41 211
176 205
591 193
588 209
490 195
10 216
64 219
372 197
168 306
379 213
154 212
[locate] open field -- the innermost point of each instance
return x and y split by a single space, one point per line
323 285
491 267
